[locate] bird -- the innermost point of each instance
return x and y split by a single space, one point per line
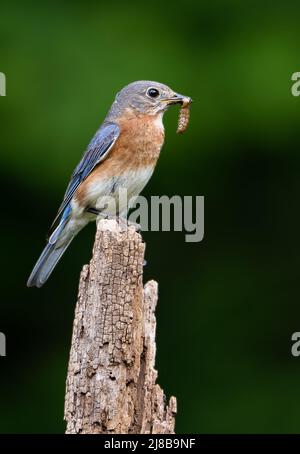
122 154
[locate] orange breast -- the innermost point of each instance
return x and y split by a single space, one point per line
138 146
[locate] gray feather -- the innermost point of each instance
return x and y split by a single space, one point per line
46 263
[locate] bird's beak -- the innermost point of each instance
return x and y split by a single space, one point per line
179 99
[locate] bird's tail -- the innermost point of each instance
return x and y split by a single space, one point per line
46 263
56 246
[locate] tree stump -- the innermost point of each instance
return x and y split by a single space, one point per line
111 384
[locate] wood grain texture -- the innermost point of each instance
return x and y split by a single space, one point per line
111 384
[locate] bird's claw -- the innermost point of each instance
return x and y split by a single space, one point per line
123 222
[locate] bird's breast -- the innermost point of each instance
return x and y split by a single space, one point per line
141 138
129 164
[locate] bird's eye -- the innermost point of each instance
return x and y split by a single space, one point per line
152 92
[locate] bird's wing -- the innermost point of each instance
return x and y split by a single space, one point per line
97 150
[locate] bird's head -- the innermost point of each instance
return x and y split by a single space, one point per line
147 97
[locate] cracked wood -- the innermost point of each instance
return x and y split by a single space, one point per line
111 384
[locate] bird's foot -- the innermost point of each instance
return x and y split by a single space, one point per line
137 226
121 220
93 211
125 223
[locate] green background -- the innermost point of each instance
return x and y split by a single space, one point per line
227 305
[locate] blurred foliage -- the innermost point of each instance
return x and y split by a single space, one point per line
227 305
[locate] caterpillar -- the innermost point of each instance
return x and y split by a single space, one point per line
184 117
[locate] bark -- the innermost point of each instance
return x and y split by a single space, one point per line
111 383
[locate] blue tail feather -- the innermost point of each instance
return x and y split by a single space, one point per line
46 263
49 257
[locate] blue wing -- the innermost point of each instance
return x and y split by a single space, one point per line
97 150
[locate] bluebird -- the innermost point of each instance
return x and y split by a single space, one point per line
122 154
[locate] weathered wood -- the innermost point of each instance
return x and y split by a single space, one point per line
111 383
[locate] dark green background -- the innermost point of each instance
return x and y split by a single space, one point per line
229 304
